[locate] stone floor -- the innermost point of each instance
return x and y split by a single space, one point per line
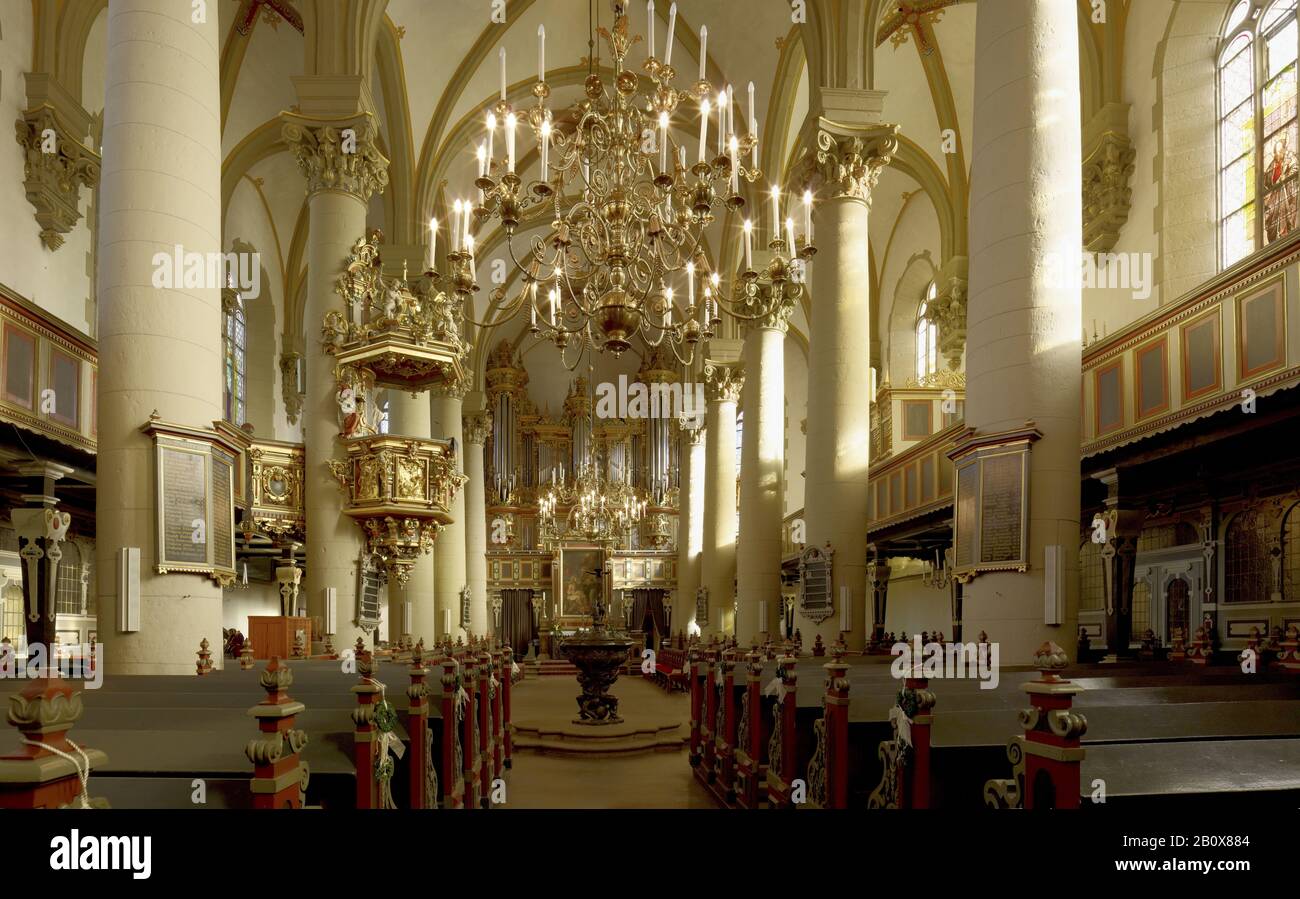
599 780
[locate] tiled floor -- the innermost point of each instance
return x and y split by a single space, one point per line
647 780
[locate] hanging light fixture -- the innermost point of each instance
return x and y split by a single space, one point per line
628 211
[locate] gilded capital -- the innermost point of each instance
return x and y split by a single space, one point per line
723 381
337 154
455 390
477 425
849 160
775 317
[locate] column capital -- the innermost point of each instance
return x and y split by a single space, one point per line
337 153
848 158
56 161
477 426
774 317
949 309
723 381
454 390
694 436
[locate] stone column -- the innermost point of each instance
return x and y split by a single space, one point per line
1117 529
476 426
762 460
878 576
690 526
339 186
722 385
409 416
1023 355
849 159
449 549
160 347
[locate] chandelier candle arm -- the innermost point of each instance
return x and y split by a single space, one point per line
491 133
776 212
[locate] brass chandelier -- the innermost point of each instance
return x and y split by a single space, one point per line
628 214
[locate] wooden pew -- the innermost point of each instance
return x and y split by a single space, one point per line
782 748
752 736
670 669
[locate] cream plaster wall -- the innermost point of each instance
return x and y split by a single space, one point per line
58 281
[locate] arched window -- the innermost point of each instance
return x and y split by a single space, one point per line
1092 589
1141 610
1257 126
1245 560
1291 555
927 337
234 345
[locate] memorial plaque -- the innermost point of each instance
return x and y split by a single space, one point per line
1002 508
184 506
702 606
223 514
991 505
369 582
815 600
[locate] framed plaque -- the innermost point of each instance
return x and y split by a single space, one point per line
815 600
991 506
194 474
702 607
369 579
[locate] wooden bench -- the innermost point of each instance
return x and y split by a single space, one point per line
670 669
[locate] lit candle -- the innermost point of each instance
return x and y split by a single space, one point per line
753 126
704 48
456 226
672 23
690 283
722 122
469 241
555 301
789 233
546 147
491 131
532 305
663 143
541 52
776 212
510 142
731 111
668 309
681 157
735 165
704 126
749 245
433 244
502 54
650 25
481 154
807 216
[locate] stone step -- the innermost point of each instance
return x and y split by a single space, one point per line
613 739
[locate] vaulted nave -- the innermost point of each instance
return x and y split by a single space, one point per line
869 405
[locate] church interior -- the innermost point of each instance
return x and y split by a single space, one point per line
804 404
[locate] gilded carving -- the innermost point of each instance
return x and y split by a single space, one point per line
339 154
723 381
1106 194
56 164
850 161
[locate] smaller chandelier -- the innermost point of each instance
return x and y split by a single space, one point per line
591 507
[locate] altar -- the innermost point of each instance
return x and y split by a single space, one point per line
273 635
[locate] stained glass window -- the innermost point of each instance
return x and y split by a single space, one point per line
1245 558
1257 127
927 337
235 348
1291 555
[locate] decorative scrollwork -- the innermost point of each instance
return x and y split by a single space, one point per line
817 788
1009 793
